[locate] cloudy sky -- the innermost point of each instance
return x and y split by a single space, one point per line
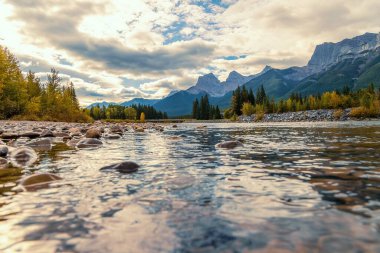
116 50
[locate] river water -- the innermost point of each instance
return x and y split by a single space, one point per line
293 187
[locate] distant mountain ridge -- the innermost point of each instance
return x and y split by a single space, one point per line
354 62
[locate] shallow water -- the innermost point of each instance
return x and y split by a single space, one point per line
293 187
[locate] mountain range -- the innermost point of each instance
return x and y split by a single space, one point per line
353 62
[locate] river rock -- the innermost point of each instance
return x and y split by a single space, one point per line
89 143
3 150
38 181
93 133
116 129
112 136
123 167
72 142
23 157
3 163
43 144
9 135
47 133
30 135
229 144
139 129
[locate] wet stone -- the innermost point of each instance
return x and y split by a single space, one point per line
3 163
93 133
123 167
112 136
23 157
89 143
30 135
38 181
9 135
3 150
229 144
47 133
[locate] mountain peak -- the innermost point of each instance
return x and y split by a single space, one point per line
329 53
233 76
208 78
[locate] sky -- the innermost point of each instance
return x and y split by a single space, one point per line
114 50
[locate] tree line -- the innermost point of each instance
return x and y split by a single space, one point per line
132 112
26 97
365 102
203 110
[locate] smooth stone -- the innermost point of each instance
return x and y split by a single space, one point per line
116 129
62 135
3 151
93 133
89 143
30 135
72 142
123 167
44 144
38 181
47 133
174 138
112 136
229 144
8 135
23 157
3 163
139 129
39 142
174 126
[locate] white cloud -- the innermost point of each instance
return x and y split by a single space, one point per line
101 44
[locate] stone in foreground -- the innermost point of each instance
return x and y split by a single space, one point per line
229 144
23 157
93 133
3 150
38 181
89 143
123 167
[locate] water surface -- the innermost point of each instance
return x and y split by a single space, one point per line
293 187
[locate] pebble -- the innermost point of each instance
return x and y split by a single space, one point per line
47 133
23 157
93 133
123 167
3 163
38 181
89 143
3 150
229 144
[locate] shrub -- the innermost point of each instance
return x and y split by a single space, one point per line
338 114
248 109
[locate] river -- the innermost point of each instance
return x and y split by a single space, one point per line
292 187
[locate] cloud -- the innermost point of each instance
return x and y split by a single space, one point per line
115 49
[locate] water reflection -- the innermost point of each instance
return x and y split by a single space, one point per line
291 188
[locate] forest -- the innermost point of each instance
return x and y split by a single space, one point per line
364 102
132 112
203 110
25 97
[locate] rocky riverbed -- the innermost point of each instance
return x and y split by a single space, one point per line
191 187
311 115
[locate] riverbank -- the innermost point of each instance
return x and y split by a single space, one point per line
304 116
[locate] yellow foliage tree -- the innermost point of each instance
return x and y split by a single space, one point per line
142 117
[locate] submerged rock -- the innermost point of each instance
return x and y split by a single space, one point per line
72 142
3 163
229 144
112 136
30 135
93 133
47 133
9 135
123 167
89 143
38 181
3 150
23 157
43 144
